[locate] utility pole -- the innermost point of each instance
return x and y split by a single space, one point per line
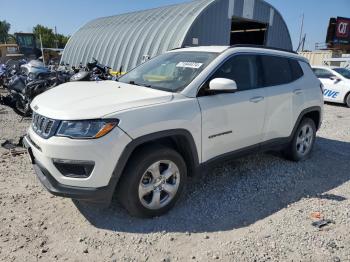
56 40
42 49
304 40
301 29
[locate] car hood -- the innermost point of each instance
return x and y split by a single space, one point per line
90 100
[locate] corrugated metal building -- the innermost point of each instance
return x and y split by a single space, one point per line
125 40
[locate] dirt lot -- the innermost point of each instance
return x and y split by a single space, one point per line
260 208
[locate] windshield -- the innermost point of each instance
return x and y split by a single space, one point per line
169 72
343 71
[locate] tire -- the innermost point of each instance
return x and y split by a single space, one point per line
347 100
139 188
303 141
22 108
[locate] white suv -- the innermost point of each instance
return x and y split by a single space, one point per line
168 119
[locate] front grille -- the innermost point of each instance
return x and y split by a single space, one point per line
43 126
48 127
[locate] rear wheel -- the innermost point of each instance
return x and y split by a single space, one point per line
303 141
152 182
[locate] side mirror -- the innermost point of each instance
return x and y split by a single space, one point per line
335 79
222 85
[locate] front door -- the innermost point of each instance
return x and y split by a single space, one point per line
233 121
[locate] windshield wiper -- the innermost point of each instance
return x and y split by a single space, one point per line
133 83
136 84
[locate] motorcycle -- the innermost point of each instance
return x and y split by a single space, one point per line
64 73
8 70
94 71
24 81
22 90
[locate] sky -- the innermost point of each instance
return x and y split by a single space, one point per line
68 16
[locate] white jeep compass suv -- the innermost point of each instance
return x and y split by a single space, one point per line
168 119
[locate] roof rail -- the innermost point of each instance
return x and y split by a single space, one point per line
176 48
264 47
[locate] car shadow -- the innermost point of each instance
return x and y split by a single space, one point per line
239 193
335 104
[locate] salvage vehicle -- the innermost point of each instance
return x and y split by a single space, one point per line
336 81
30 80
35 69
10 69
170 118
22 92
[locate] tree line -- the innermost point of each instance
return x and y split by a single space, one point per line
48 36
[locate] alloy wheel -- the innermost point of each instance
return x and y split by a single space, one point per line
159 184
305 140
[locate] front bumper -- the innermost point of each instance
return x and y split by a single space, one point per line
103 195
105 152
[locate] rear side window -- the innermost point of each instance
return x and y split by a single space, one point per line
276 70
297 71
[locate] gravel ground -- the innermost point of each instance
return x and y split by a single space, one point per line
259 208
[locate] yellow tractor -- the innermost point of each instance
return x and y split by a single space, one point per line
9 52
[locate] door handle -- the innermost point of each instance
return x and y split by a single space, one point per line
257 99
298 91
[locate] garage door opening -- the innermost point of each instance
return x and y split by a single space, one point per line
248 32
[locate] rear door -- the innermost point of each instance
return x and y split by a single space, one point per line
284 95
233 121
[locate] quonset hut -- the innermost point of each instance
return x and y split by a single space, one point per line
124 41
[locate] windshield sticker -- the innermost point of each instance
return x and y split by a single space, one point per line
189 65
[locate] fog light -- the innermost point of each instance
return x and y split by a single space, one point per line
74 168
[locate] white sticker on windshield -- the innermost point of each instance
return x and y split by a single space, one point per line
189 65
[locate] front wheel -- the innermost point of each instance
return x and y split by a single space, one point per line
152 182
303 141
347 100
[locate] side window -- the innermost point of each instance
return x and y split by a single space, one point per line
322 73
241 68
277 70
297 71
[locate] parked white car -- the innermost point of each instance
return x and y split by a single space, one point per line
170 118
336 81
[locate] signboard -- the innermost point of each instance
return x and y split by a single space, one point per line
342 31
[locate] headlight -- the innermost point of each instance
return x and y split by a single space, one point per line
86 129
